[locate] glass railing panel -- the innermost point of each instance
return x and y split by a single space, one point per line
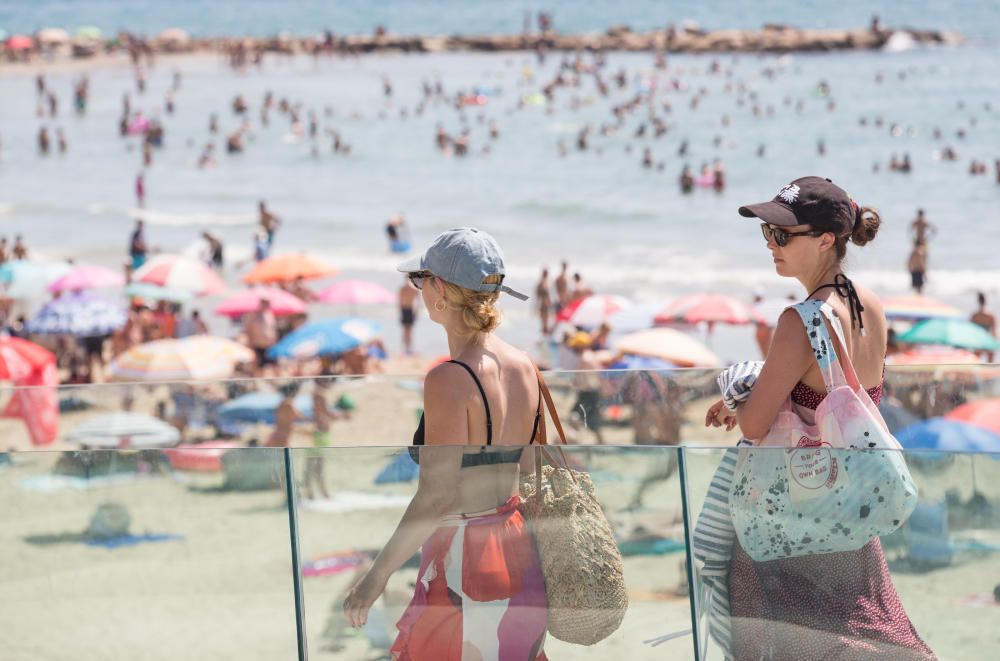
927 587
351 501
118 554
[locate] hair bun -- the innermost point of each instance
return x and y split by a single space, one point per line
866 226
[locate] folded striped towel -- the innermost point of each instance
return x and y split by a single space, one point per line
736 382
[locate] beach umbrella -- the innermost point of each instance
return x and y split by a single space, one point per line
282 302
668 344
710 308
916 308
52 36
78 315
230 349
401 468
150 292
20 42
638 316
173 37
949 435
983 413
592 311
950 332
177 272
87 276
288 267
325 337
88 32
356 292
173 360
124 430
27 279
259 407
18 356
934 356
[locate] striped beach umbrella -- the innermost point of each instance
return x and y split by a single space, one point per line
124 430
150 292
80 315
174 360
915 308
711 308
289 267
592 311
179 272
282 302
325 337
87 276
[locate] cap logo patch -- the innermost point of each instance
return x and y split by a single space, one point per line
789 193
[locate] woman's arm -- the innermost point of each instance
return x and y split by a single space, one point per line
446 428
788 359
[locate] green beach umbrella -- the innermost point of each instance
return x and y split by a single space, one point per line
88 32
952 333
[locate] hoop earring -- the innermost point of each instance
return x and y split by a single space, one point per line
441 305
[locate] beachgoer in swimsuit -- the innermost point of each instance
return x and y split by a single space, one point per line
407 313
833 605
479 570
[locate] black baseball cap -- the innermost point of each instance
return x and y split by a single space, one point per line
814 201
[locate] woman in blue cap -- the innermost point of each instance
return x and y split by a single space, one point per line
480 589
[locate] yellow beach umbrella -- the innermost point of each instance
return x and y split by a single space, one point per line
668 344
195 357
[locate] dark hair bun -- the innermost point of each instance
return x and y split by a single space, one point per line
866 226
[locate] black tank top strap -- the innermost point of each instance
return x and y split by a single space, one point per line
486 404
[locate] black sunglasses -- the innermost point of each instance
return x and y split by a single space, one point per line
418 278
781 237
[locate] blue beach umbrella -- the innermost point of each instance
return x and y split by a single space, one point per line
81 315
401 469
948 435
257 407
325 337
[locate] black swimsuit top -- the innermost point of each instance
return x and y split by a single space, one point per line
482 458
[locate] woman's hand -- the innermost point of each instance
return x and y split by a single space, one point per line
719 415
361 597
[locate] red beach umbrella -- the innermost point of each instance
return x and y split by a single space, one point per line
711 308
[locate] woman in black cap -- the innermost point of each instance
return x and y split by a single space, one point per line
843 604
480 591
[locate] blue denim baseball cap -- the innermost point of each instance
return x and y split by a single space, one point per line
463 256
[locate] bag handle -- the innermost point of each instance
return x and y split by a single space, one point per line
835 366
543 446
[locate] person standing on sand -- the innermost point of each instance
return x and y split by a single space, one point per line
322 417
20 249
407 313
562 287
137 246
917 266
921 229
268 221
285 417
140 190
985 319
544 301
261 329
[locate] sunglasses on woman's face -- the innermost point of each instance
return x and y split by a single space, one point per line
418 278
781 237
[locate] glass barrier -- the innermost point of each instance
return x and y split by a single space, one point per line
114 554
477 581
816 573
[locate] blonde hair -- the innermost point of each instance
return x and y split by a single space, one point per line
478 308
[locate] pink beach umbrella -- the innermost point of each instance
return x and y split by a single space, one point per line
180 273
592 311
356 292
282 303
711 308
87 276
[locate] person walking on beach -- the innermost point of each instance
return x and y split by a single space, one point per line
984 319
137 246
544 301
479 568
916 264
830 605
407 313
